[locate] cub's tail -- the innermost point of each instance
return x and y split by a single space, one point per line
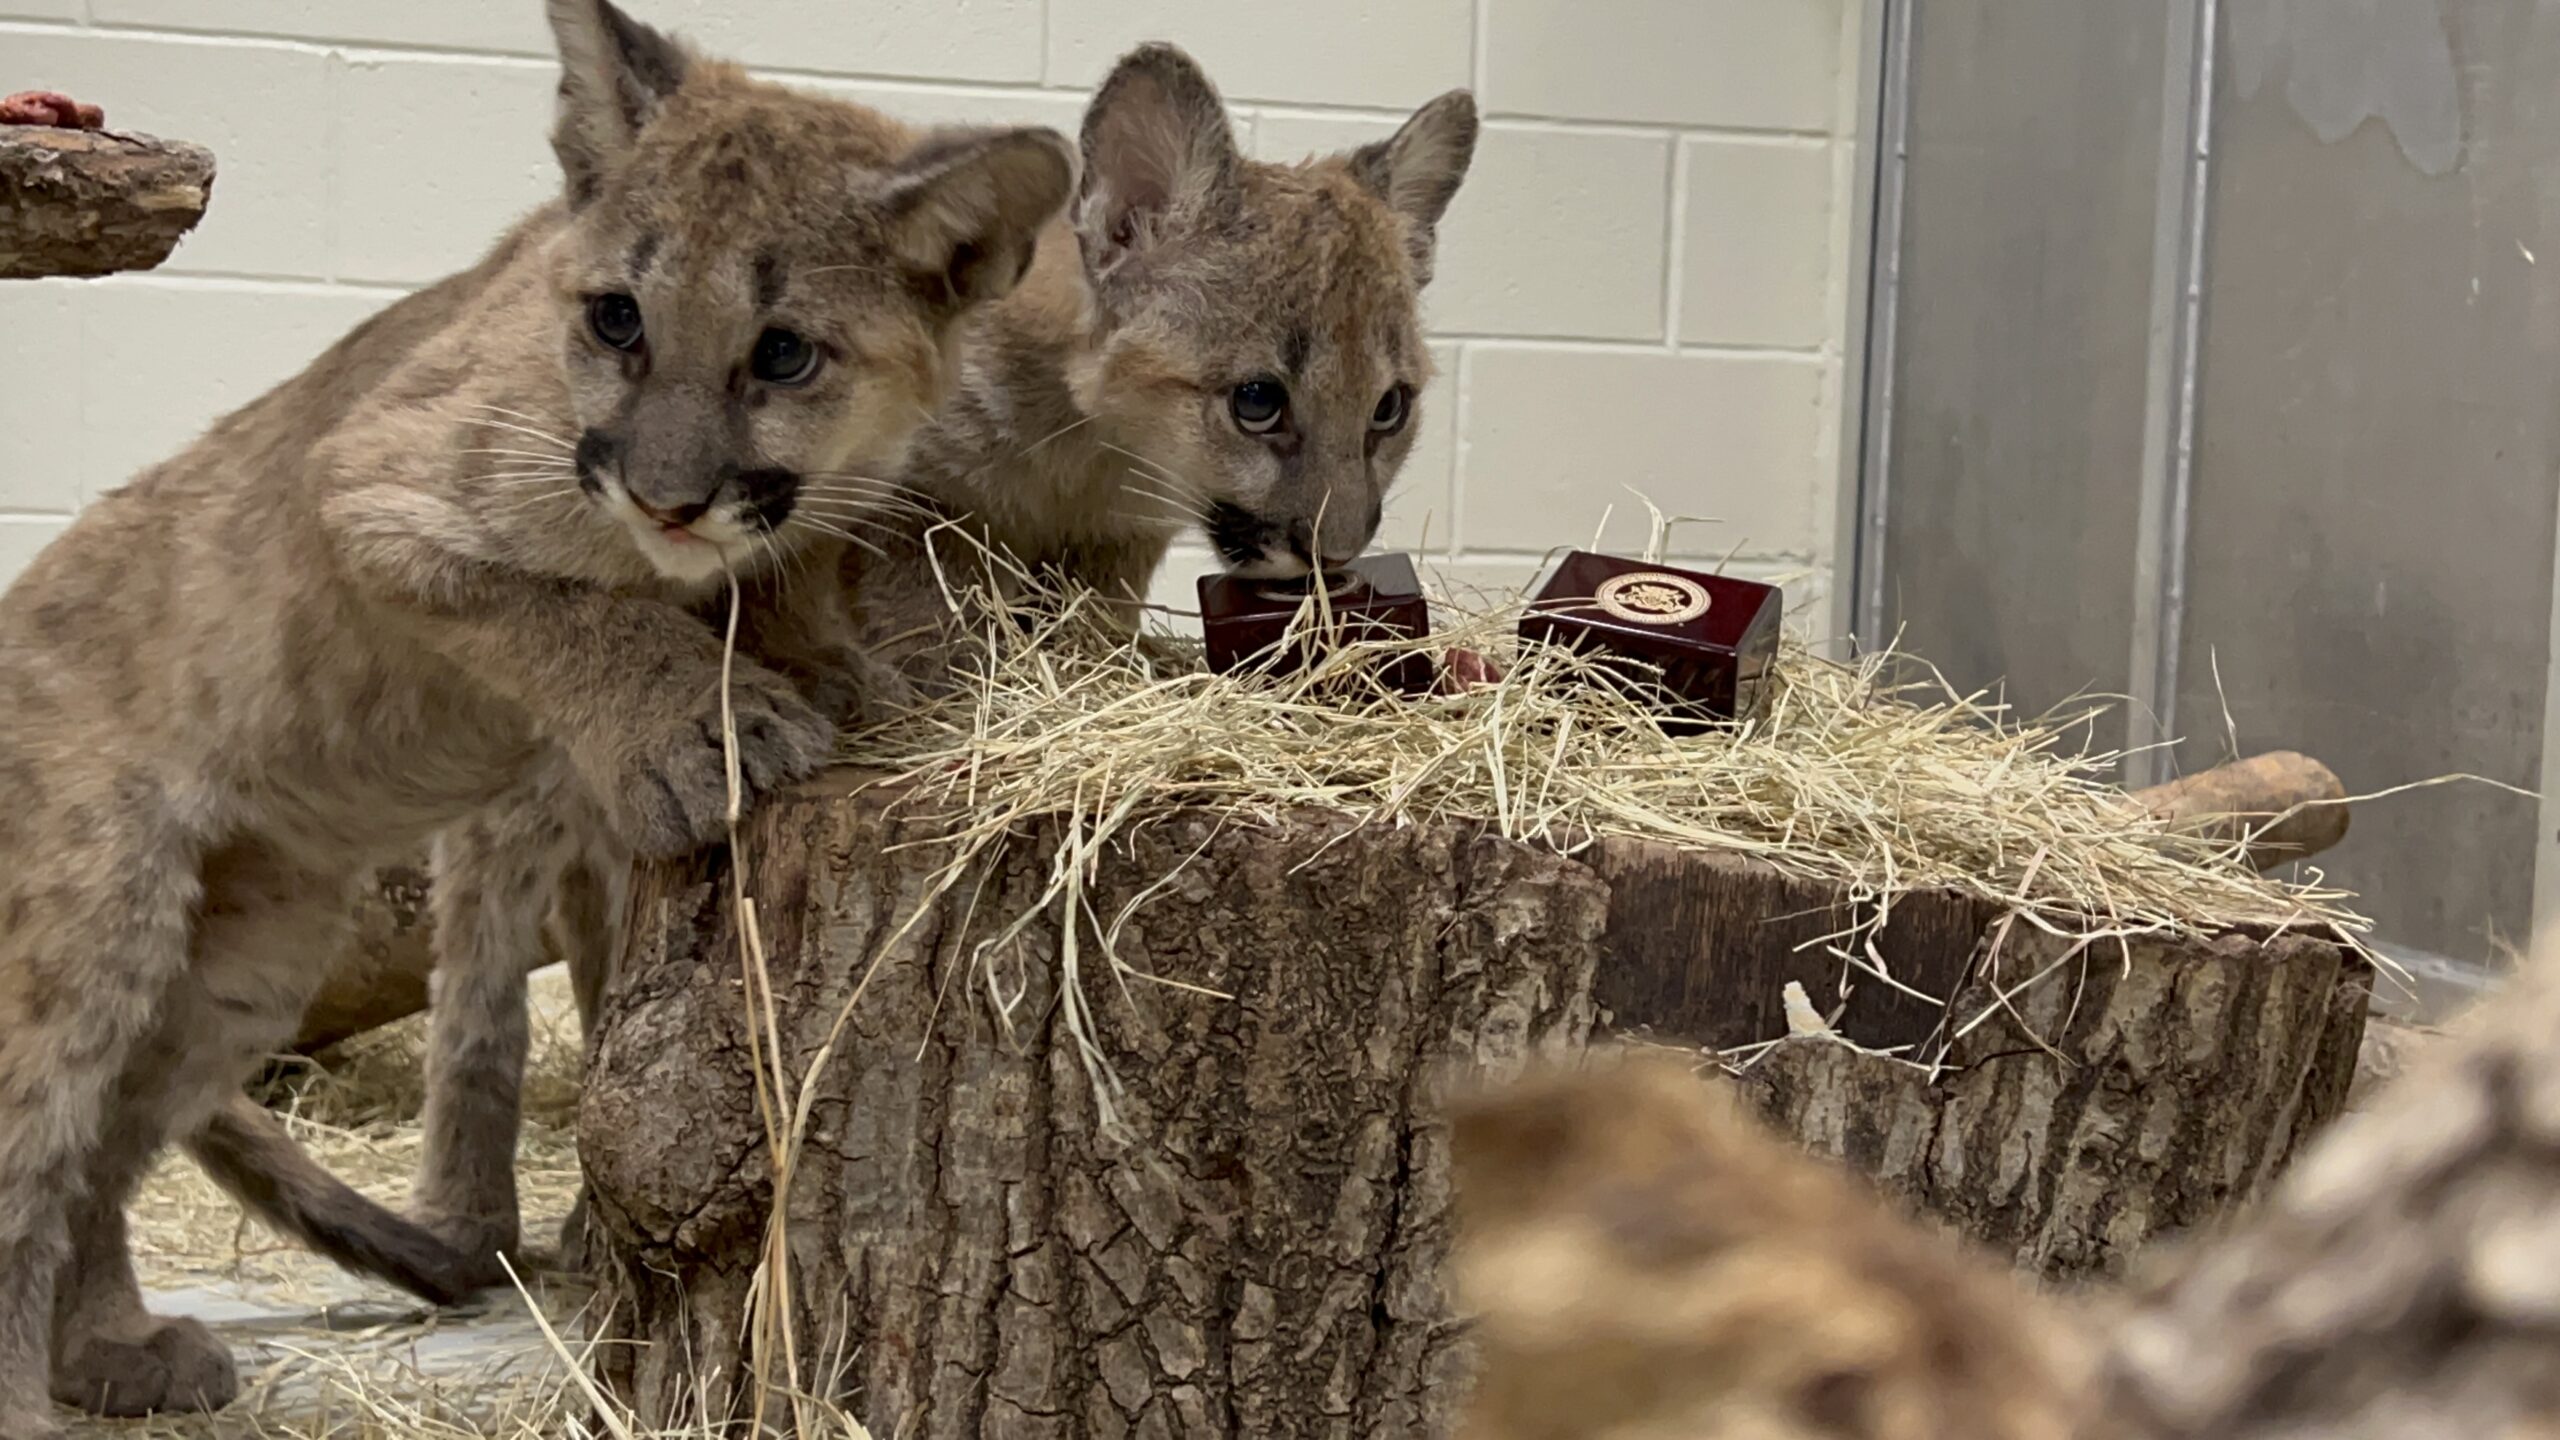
247 1152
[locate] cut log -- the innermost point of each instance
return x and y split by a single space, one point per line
1260 1249
2194 1072
1257 1247
1709 948
2287 806
95 202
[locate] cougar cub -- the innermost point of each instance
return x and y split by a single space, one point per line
1212 342
446 567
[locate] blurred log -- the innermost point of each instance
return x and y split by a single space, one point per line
95 202
1644 1264
1642 1261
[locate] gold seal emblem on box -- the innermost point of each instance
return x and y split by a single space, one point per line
1652 598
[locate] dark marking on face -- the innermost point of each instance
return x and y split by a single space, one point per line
1295 350
597 452
1239 536
643 253
769 494
768 281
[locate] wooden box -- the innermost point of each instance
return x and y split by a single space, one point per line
1705 644
1246 622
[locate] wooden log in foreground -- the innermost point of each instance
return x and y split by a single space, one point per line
1259 1250
1642 1262
95 202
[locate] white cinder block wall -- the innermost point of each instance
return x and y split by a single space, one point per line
1643 286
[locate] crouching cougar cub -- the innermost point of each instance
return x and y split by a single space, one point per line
454 564
1209 342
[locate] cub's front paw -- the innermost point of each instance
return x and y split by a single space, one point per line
178 1365
862 690
675 795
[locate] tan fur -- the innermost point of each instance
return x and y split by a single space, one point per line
417 581
1089 424
1646 1263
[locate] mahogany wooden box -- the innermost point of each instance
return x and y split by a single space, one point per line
1245 621
1712 639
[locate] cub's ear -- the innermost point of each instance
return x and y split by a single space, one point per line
1157 149
1417 170
615 74
964 212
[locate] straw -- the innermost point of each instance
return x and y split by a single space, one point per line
1874 777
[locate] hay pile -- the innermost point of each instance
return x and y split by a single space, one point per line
1875 777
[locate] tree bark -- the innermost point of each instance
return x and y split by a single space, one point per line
94 202
1715 943
2194 1072
1258 1248
1258 1254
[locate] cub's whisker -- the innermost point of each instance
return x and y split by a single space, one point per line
566 447
1183 505
550 425
546 456
1058 434
1156 468
847 536
873 483
867 507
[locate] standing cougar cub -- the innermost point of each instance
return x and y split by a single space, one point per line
448 567
1213 341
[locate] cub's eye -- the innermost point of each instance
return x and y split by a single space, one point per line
783 357
1393 408
1258 406
615 319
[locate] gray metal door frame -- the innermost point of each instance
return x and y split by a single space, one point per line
2167 292
2177 312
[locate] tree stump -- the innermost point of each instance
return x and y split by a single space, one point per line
95 202
2193 1072
1258 1247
